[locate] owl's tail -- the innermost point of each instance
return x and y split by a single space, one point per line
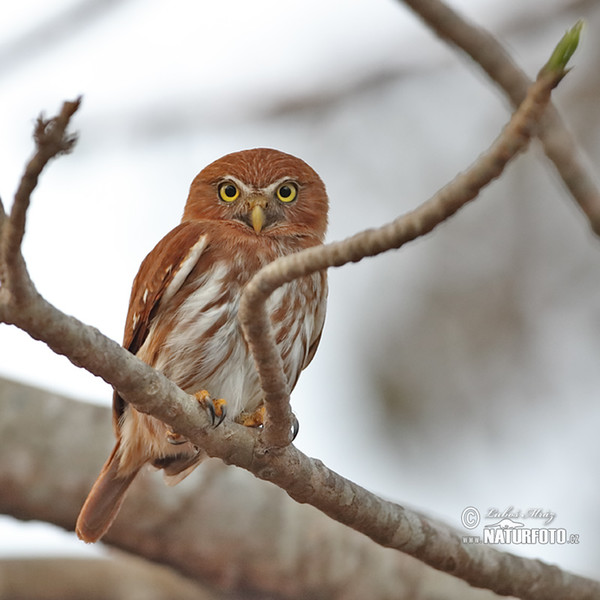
104 500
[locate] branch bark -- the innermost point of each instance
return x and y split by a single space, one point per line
487 52
464 188
93 579
304 479
223 527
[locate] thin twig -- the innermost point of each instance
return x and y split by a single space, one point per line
51 140
489 54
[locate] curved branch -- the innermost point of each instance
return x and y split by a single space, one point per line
487 51
464 188
51 140
387 523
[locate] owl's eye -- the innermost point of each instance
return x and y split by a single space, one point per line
287 192
228 192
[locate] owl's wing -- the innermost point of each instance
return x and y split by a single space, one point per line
161 274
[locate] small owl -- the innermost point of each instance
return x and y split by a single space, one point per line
243 211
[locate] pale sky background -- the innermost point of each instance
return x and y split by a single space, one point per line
169 87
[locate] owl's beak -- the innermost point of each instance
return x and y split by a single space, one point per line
257 213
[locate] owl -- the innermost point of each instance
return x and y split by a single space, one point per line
243 211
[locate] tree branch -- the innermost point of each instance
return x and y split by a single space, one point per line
93 579
223 527
384 522
464 188
489 54
51 140
305 479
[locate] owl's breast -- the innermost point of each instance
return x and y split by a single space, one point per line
203 345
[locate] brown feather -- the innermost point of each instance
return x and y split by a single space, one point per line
182 316
104 500
154 276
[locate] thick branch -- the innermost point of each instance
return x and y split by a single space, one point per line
93 579
487 51
221 528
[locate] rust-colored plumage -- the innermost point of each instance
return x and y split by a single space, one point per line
243 211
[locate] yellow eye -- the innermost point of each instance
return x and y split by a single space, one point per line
228 192
287 192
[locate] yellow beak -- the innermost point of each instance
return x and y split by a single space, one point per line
257 216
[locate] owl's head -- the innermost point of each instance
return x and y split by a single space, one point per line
267 191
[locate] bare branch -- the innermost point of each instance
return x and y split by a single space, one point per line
51 140
93 579
486 51
220 512
343 500
465 187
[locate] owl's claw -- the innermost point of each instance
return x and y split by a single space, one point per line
216 408
257 419
218 411
253 419
295 427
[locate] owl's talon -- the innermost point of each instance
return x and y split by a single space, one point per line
218 411
295 427
253 419
257 419
217 408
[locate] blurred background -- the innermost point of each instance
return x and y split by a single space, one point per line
459 371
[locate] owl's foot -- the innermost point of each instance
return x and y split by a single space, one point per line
295 427
257 419
252 419
217 408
